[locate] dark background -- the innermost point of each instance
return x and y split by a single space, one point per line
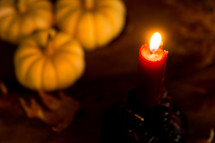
188 35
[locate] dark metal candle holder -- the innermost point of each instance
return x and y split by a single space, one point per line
128 123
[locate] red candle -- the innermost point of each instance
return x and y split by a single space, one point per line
152 66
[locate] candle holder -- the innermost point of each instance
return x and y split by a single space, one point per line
128 123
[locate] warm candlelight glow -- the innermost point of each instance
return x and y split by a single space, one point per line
155 42
151 70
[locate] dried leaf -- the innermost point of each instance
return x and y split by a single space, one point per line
49 100
34 110
10 105
61 111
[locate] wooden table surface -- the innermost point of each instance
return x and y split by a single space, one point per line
110 73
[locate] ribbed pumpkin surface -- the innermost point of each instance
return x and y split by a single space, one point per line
93 22
19 18
48 61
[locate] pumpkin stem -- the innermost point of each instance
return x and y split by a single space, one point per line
89 4
20 6
49 51
49 37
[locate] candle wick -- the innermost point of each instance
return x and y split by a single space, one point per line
152 52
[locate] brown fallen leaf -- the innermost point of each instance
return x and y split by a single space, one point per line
60 113
9 104
49 100
34 110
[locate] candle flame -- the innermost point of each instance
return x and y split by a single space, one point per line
155 42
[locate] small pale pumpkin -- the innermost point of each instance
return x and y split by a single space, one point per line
93 22
49 61
19 18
